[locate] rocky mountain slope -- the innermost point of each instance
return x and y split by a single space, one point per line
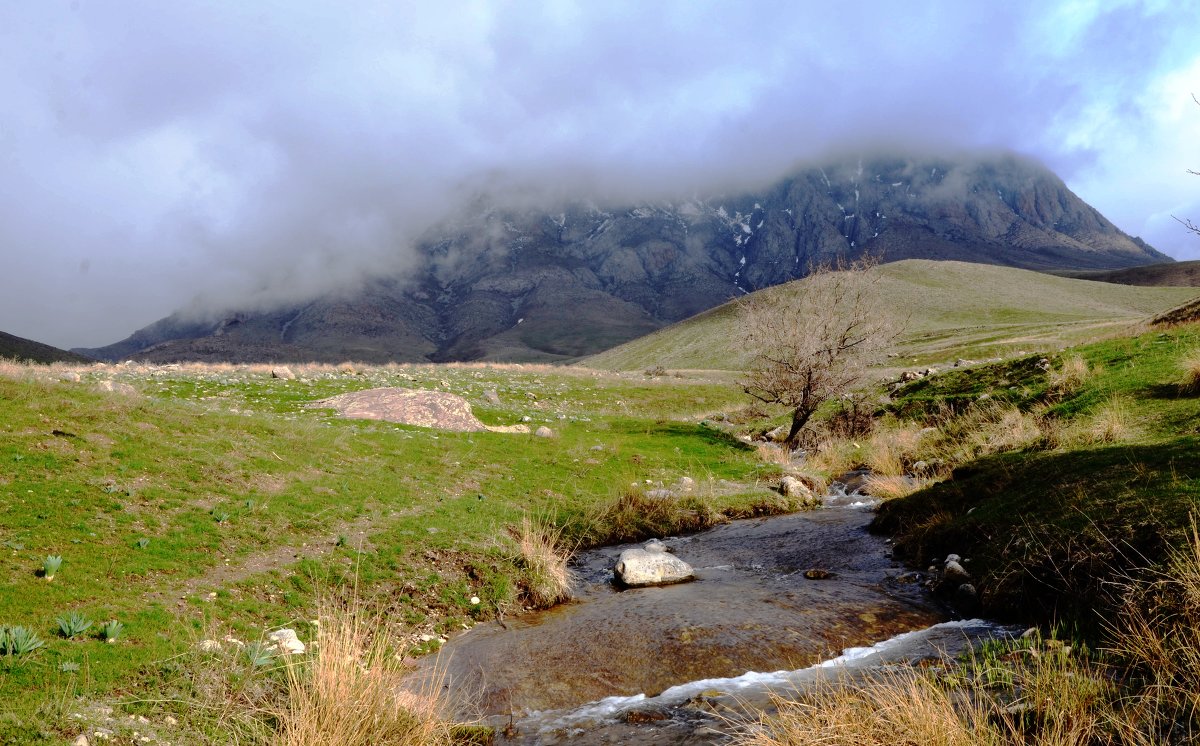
19 348
533 284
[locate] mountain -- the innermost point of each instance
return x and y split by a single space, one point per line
952 309
557 284
13 347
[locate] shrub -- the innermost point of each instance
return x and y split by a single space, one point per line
73 625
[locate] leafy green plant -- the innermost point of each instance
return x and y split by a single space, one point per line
142 543
111 630
18 640
74 624
259 654
50 566
220 516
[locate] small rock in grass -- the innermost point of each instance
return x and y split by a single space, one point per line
792 487
544 432
286 641
283 372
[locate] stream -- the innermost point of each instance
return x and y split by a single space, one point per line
676 664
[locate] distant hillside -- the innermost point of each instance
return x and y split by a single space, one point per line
19 348
1177 274
557 282
950 306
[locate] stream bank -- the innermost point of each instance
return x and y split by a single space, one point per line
782 594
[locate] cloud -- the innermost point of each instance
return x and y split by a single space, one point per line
156 155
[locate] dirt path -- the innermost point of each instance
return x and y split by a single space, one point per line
235 570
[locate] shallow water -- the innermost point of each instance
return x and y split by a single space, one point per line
751 608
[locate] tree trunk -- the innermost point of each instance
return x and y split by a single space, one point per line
800 417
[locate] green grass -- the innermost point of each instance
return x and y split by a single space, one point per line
129 489
955 309
1050 531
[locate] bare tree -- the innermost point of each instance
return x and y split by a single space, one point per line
1187 222
812 340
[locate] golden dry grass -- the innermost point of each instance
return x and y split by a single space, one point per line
895 710
1070 376
351 692
542 557
1191 371
1111 423
890 487
1159 636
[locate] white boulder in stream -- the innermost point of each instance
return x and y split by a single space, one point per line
651 564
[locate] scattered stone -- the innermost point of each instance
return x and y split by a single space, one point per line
954 574
170 721
283 372
116 387
650 565
491 397
72 377
80 740
778 434
792 487
817 574
660 494
286 641
544 432
686 484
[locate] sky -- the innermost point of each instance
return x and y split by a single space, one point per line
157 156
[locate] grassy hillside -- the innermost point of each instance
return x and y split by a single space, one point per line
13 347
1168 274
954 309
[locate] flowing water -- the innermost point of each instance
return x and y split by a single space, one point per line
652 665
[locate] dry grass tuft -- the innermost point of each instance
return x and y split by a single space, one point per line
1191 372
1160 639
890 487
351 693
895 709
1112 423
890 450
637 514
542 558
1069 378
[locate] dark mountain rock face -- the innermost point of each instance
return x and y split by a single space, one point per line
521 284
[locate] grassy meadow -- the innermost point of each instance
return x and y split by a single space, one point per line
198 502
